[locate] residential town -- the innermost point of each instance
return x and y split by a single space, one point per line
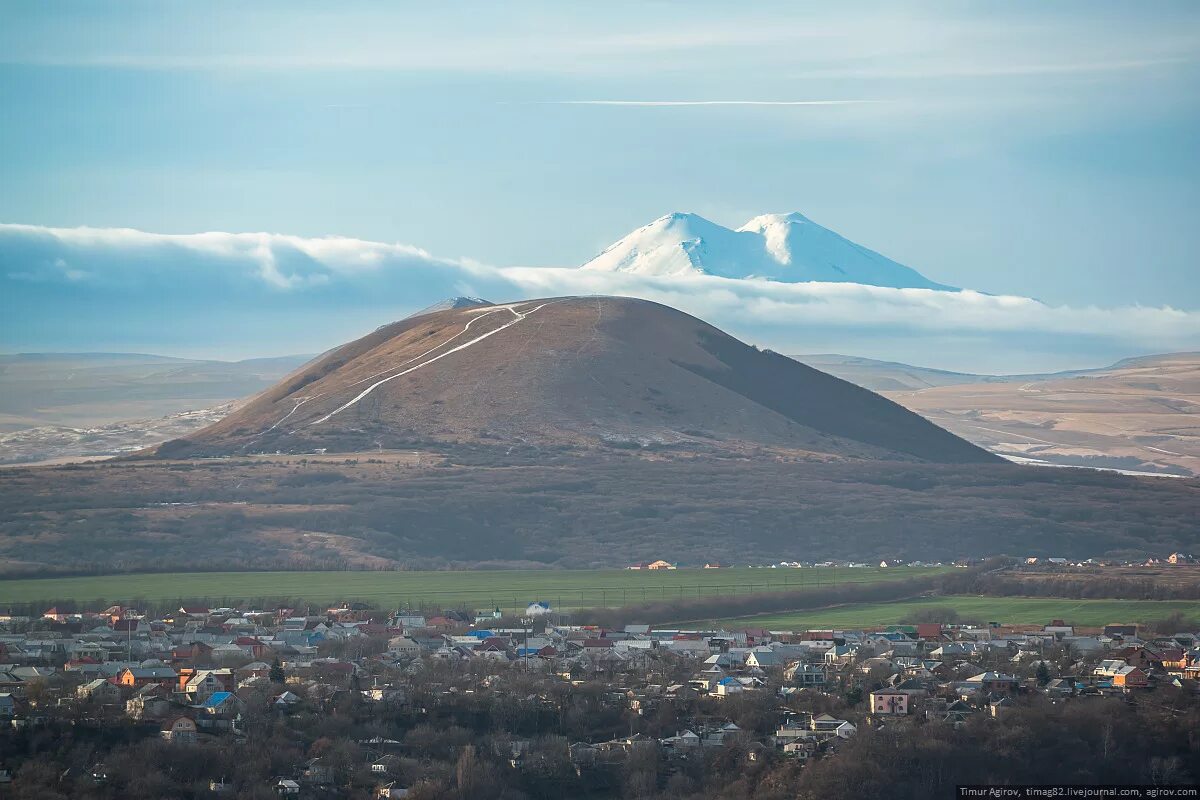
414 703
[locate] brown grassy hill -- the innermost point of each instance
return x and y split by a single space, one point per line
573 371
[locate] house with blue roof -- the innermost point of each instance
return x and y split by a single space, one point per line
220 711
218 699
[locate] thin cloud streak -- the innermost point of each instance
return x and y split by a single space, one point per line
673 103
965 70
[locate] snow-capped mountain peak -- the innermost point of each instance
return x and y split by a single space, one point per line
764 220
776 230
782 247
680 243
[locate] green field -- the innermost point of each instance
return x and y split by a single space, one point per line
1012 610
478 589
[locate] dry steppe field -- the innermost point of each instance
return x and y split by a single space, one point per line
1142 414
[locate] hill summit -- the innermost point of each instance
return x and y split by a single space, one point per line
790 248
449 304
570 371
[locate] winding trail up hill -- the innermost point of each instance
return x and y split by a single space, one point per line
570 371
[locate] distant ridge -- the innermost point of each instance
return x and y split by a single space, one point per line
97 357
84 390
888 376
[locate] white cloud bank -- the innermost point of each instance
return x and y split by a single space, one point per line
261 293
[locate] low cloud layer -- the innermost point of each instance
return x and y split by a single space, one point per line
229 295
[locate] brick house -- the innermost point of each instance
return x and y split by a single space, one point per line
890 702
1140 657
137 677
1130 677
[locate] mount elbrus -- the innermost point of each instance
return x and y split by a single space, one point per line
789 248
570 371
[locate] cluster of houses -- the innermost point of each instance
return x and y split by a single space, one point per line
1177 558
189 673
890 562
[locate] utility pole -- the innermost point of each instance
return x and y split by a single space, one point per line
525 623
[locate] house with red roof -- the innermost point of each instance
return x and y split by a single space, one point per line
255 648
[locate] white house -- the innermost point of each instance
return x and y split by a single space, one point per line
840 654
763 659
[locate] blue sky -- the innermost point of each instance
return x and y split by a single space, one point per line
1043 150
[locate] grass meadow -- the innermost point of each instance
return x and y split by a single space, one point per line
507 589
1012 610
